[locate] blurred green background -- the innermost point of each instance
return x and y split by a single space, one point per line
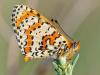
79 18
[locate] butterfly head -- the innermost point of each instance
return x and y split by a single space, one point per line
76 46
72 50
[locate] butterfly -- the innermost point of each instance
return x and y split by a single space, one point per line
39 37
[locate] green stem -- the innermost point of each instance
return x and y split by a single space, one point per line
62 67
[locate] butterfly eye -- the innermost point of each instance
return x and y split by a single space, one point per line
74 44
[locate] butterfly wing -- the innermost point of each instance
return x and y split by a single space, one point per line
37 36
60 30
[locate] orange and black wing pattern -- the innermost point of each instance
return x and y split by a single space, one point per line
36 36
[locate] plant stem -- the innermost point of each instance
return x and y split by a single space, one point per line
63 67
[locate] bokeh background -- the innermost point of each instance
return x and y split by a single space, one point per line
78 18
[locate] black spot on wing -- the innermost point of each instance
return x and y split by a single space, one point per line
39 26
31 11
64 41
13 15
13 19
15 31
20 37
38 15
56 21
21 6
13 24
36 53
32 43
26 21
52 20
18 9
32 18
40 48
47 22
55 48
42 52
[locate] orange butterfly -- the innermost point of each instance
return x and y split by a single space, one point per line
39 37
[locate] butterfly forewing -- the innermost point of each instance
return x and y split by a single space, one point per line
37 36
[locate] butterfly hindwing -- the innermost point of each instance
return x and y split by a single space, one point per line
37 36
